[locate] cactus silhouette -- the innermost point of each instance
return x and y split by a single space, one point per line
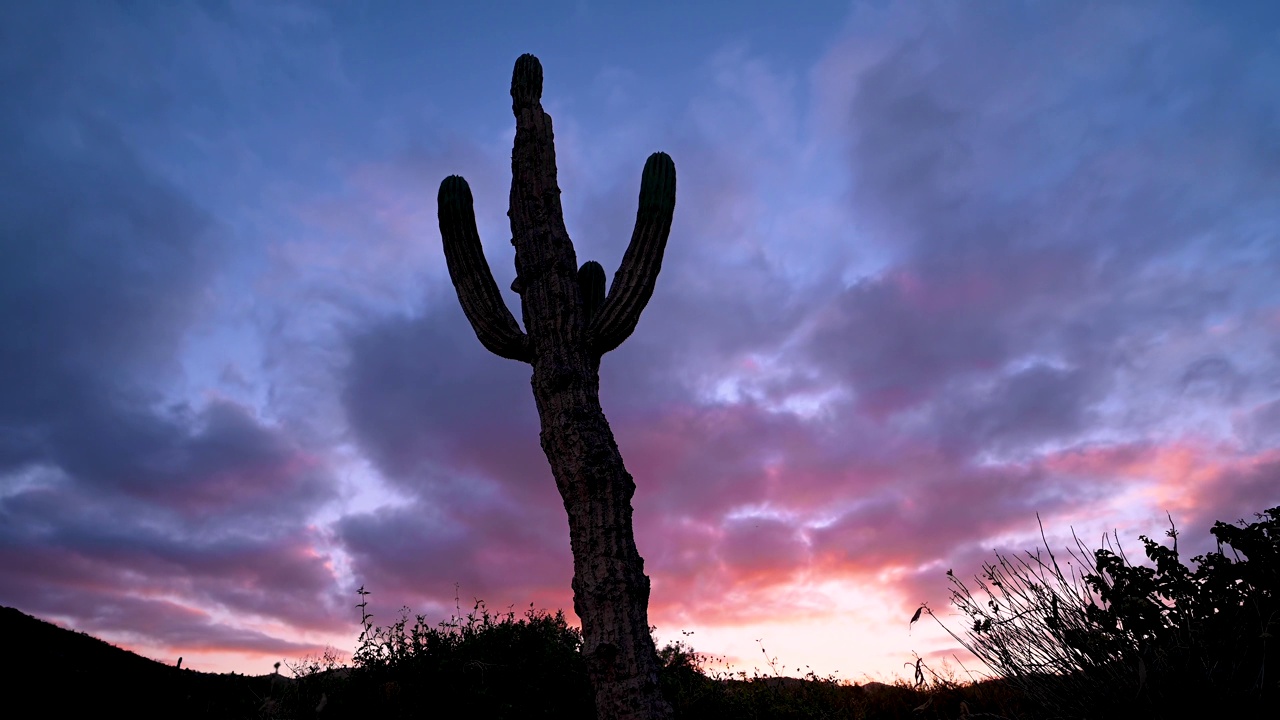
569 323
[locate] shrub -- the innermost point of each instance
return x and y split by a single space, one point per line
1126 640
496 666
501 666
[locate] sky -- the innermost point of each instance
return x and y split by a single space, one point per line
937 269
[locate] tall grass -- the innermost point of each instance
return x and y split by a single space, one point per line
1106 637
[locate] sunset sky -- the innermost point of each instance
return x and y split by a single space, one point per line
935 268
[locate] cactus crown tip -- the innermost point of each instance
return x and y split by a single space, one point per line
454 187
526 80
659 159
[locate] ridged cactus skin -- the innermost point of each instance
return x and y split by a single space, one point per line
569 323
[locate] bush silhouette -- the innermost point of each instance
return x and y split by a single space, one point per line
1126 640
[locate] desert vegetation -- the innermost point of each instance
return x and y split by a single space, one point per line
1081 634
500 665
1088 635
1095 635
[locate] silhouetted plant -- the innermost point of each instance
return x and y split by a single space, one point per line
1113 639
495 665
570 322
500 666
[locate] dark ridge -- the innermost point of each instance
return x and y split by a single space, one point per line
64 673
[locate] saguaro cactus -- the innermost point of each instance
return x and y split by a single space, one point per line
569 324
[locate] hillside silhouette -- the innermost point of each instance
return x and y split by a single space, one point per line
56 672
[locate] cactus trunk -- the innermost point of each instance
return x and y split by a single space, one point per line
569 323
610 589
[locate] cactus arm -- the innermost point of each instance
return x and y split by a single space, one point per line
634 282
591 284
477 292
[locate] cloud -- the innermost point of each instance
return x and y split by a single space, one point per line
1260 426
1213 377
96 241
68 553
1018 262
1051 272
115 489
177 628
1044 220
422 394
493 550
